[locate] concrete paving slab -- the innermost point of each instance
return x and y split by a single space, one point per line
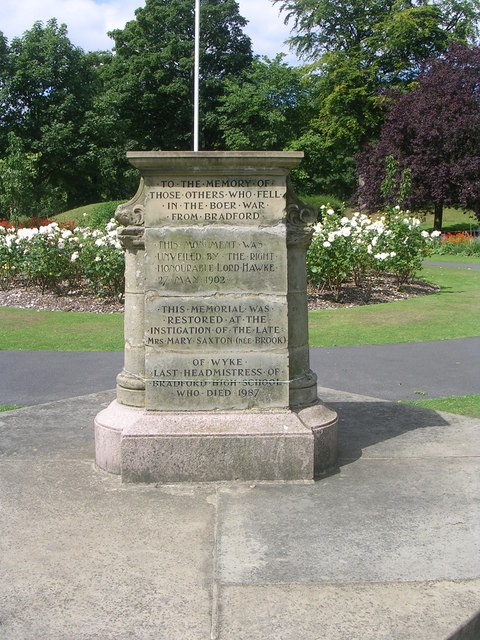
83 557
385 547
62 429
369 427
385 611
374 521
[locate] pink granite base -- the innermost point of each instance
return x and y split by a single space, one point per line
146 446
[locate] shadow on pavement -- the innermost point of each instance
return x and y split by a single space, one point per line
364 424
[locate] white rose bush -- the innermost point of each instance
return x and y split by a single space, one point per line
351 249
58 260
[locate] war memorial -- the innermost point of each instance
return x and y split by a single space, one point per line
216 383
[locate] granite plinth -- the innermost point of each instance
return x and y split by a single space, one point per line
146 446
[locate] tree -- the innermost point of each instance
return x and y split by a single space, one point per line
150 78
46 90
18 177
361 49
433 132
266 107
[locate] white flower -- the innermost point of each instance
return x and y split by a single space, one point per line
425 234
327 244
330 212
332 236
99 242
346 231
392 254
74 256
97 258
435 234
27 234
344 220
369 249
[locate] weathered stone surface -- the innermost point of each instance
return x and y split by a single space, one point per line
203 446
216 321
223 199
246 380
186 261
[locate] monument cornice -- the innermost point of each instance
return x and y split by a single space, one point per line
172 162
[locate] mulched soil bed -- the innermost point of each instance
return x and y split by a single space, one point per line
31 297
384 289
373 291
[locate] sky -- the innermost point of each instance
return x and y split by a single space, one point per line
88 21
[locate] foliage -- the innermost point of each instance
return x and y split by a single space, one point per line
53 258
346 248
18 176
433 132
394 36
48 87
460 244
323 202
102 213
265 107
149 80
359 50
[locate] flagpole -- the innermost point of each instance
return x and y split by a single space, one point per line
196 75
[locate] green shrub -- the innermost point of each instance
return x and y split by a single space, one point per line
102 213
346 249
458 244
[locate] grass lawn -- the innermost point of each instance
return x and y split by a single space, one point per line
30 330
453 220
77 215
453 258
8 407
464 405
452 313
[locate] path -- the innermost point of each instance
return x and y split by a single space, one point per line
391 372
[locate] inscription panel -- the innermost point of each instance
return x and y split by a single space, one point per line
237 200
220 322
182 382
191 260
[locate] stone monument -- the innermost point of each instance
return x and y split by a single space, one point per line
216 383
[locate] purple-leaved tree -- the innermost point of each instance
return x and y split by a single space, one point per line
434 132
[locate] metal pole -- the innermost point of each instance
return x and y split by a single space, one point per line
196 75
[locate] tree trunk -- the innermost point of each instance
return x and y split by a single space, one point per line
438 216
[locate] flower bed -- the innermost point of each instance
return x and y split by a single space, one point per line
59 259
461 243
359 248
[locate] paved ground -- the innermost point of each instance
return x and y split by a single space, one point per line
391 372
402 371
386 547
455 265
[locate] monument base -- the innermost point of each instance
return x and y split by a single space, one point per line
146 446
